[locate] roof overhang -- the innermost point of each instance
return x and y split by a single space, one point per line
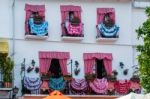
3 46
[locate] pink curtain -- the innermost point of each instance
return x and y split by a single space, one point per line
44 65
78 14
108 66
64 15
28 13
89 66
33 8
46 57
63 64
66 8
89 61
102 11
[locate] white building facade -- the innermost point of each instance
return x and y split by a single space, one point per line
127 17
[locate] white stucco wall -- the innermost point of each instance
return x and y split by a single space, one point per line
6 18
138 17
122 49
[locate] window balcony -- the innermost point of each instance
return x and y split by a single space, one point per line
72 32
35 25
104 38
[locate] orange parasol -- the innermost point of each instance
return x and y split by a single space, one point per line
56 95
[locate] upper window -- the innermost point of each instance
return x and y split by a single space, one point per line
35 23
141 3
106 26
71 21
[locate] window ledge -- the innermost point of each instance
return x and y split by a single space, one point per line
36 37
107 39
72 38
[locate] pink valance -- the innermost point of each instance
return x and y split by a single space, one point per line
87 56
46 57
34 8
90 58
105 10
70 8
58 55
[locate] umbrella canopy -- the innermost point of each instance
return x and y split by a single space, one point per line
56 95
132 96
147 96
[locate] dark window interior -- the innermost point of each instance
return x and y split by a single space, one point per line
100 69
55 68
71 15
35 13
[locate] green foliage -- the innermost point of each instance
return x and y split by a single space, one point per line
8 67
144 56
2 60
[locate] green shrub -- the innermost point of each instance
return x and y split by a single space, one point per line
143 32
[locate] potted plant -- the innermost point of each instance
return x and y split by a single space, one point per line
90 77
135 78
7 71
111 78
68 77
2 62
45 77
38 19
75 21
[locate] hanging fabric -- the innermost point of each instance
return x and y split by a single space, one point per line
44 85
56 83
63 65
44 65
108 66
79 86
108 32
74 30
32 84
89 66
111 87
38 29
99 86
122 87
135 87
